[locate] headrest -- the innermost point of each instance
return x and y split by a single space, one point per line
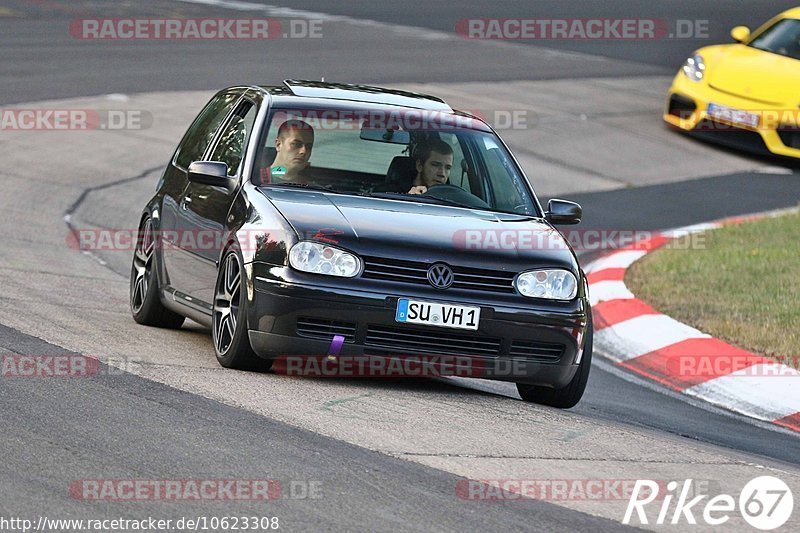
268 156
402 169
261 175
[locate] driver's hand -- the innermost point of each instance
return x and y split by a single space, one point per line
419 189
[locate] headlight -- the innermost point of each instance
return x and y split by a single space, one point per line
323 259
694 67
550 284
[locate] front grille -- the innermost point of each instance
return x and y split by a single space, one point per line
546 352
322 328
415 272
395 270
732 136
790 137
681 106
410 340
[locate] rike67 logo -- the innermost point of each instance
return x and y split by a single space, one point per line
765 503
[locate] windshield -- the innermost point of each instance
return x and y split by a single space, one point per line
409 155
782 38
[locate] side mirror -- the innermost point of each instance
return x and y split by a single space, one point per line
563 212
740 33
211 173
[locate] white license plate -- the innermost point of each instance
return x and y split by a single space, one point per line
734 116
438 314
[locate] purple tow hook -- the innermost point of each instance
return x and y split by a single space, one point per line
336 346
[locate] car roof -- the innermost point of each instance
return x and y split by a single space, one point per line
793 13
357 93
365 93
294 94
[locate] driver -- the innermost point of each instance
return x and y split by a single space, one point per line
293 145
434 162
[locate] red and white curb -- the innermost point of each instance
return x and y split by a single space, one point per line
637 337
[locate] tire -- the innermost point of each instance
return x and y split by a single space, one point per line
569 395
229 320
145 303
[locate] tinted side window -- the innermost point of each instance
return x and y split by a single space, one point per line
509 195
202 130
506 196
232 143
457 177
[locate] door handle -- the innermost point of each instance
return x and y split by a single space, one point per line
186 200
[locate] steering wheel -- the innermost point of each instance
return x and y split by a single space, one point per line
453 193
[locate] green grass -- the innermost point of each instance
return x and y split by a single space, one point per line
740 283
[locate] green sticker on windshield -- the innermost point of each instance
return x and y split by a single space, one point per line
278 171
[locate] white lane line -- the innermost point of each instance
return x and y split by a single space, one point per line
229 4
644 334
603 291
765 391
622 259
654 386
689 230
780 171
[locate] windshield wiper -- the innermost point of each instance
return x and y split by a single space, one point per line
421 198
308 186
447 202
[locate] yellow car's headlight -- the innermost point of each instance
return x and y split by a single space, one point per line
694 67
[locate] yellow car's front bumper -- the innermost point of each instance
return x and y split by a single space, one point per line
687 109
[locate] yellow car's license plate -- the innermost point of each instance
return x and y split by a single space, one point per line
734 116
438 314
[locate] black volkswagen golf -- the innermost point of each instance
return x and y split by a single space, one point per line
320 220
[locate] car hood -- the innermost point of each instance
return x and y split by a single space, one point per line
423 232
755 74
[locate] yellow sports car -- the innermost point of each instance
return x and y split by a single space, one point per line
746 94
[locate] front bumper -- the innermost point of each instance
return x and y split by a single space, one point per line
521 343
687 109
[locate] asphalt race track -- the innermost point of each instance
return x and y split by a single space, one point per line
351 455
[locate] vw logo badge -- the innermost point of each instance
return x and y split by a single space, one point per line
440 276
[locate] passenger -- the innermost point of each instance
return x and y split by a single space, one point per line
293 146
434 162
